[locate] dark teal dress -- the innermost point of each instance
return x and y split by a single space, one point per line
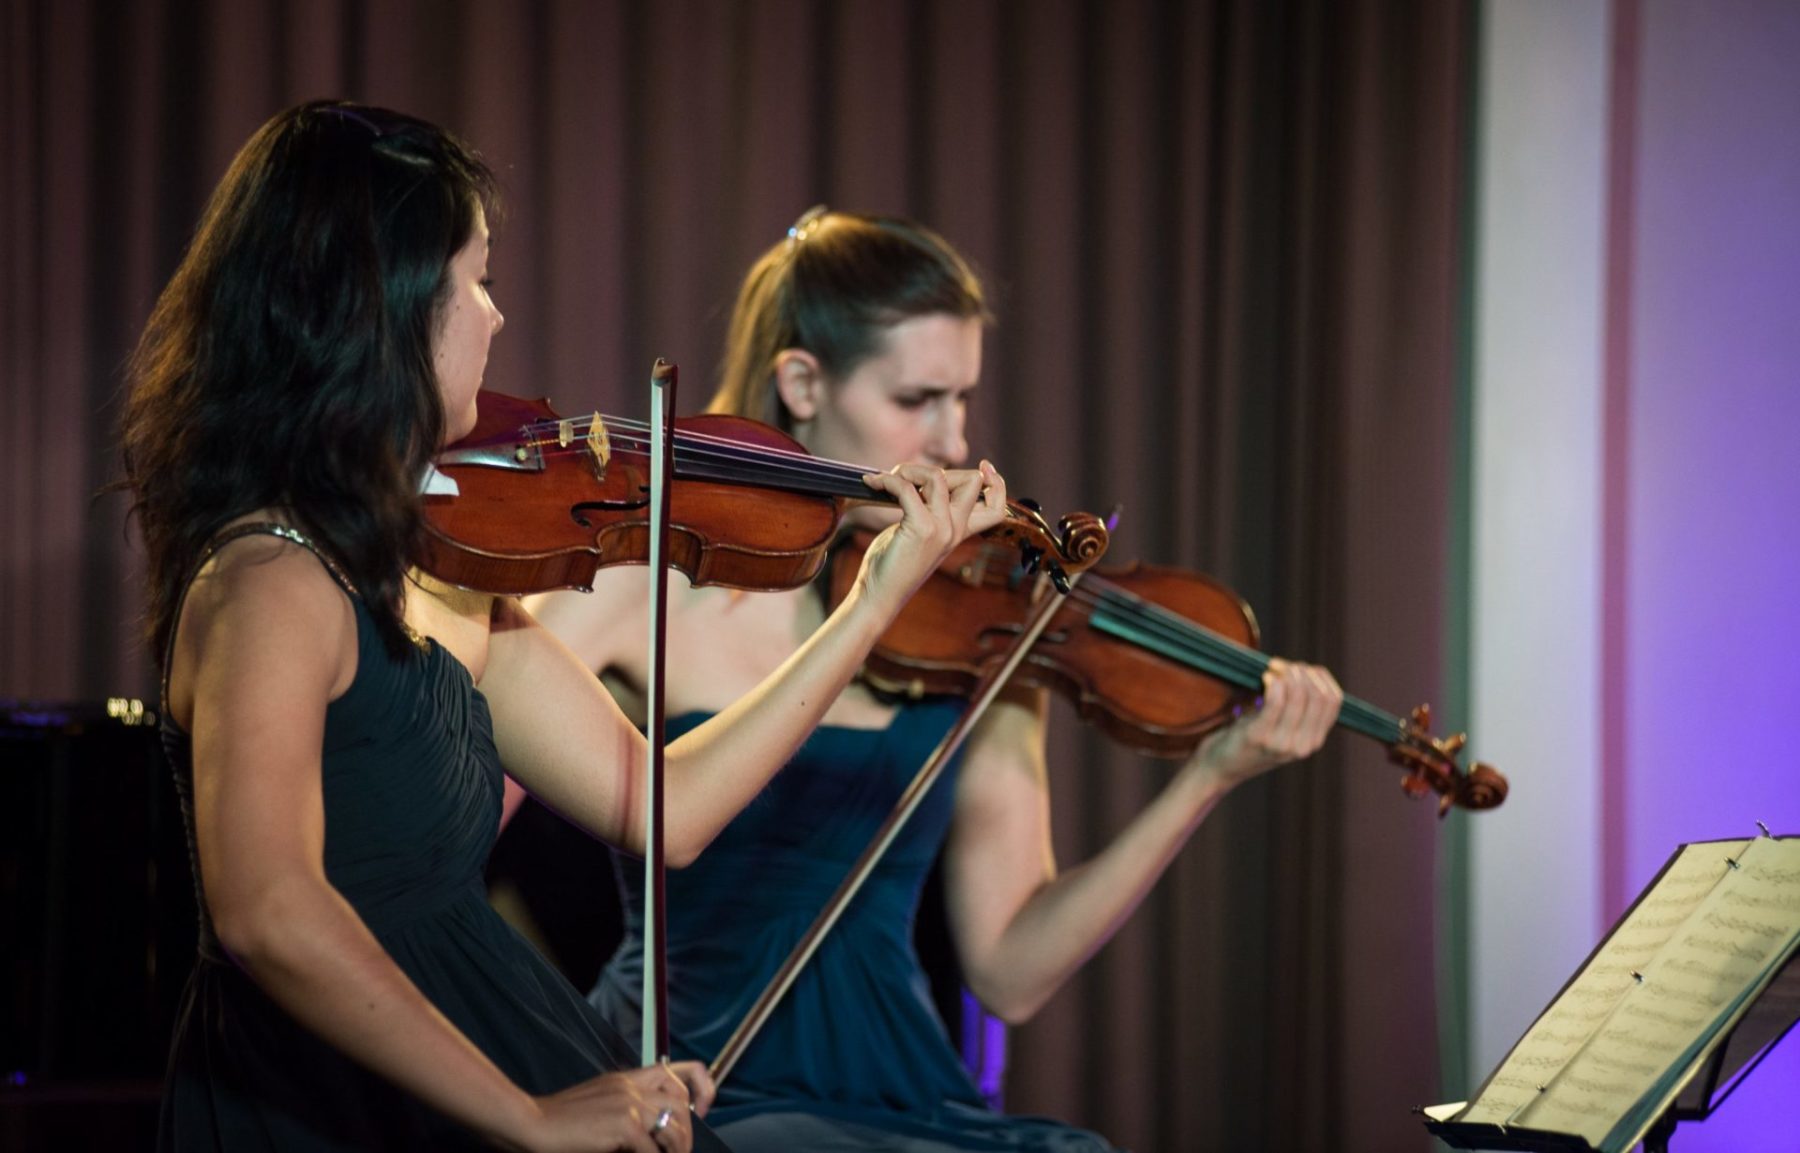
412 790
856 1057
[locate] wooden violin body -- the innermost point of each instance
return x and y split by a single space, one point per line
964 622
1156 657
543 502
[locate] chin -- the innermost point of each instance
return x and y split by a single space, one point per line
460 427
470 415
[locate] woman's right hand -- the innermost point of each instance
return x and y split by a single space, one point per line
641 1110
939 509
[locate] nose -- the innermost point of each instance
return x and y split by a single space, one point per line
948 444
499 321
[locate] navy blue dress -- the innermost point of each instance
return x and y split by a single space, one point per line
412 791
855 1057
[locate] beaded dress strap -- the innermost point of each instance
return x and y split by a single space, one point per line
238 532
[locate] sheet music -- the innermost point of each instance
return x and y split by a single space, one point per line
1679 966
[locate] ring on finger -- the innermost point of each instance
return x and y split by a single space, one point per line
662 1121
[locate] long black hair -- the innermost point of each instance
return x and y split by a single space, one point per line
288 364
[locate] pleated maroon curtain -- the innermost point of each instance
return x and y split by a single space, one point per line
1224 241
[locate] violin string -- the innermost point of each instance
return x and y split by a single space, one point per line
799 459
1245 662
802 470
747 464
1191 643
739 473
797 455
744 463
710 457
1177 636
844 477
705 447
548 433
1174 635
539 431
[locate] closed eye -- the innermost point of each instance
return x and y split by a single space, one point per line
917 400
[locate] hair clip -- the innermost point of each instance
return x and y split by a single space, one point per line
352 114
805 226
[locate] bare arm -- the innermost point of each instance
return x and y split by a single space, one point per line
603 626
266 641
566 741
1021 928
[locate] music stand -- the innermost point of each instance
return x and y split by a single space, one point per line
1677 1004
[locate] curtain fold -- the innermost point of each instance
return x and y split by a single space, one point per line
1223 241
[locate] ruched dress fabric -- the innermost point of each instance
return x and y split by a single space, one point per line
412 791
855 1057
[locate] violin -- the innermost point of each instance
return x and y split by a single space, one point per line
544 501
1156 657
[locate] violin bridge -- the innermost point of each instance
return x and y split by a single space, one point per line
598 442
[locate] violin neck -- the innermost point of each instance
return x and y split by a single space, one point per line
1359 716
764 468
1140 622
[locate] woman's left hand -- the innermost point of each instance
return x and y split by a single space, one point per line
939 509
1299 706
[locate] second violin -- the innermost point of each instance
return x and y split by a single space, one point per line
1156 657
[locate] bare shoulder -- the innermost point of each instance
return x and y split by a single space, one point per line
1004 774
1010 737
263 600
270 580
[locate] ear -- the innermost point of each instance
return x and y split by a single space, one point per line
800 382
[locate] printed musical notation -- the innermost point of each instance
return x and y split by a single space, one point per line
1618 1043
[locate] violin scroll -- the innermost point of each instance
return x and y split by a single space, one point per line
1431 765
1072 547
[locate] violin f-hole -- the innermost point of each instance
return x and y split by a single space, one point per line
576 510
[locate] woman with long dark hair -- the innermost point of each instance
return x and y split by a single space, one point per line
339 722
862 337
